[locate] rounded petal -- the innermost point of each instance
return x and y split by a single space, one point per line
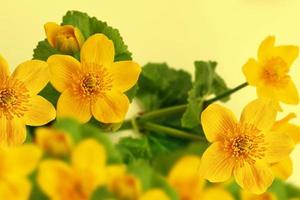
41 112
279 146
265 48
216 120
62 69
69 105
15 189
4 68
79 37
12 132
51 30
154 194
288 53
288 93
112 108
252 70
261 113
125 74
214 193
34 74
216 164
256 178
283 169
98 49
54 176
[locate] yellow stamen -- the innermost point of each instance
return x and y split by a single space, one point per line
275 72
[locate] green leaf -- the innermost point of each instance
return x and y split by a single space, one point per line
44 50
102 194
219 87
292 191
50 93
278 188
36 192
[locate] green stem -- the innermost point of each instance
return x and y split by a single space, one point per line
171 131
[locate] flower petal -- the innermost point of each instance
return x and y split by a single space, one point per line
216 165
283 169
216 120
252 70
62 69
215 192
288 93
12 132
79 37
265 48
279 146
41 112
34 74
15 189
288 53
261 113
98 49
69 105
125 74
51 30
112 108
255 178
154 194
4 68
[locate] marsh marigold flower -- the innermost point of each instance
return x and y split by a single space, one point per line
19 103
269 73
17 163
95 86
245 149
67 38
60 181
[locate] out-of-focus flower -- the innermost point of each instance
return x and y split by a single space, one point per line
54 142
19 103
67 38
265 196
61 181
186 179
246 148
154 194
95 86
16 164
269 74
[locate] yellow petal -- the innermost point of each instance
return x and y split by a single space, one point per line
283 169
265 91
15 189
280 125
51 30
265 196
98 49
265 48
261 113
216 165
288 53
54 176
70 105
90 157
112 108
125 74
79 37
4 68
216 120
22 160
255 178
294 132
279 146
12 132
40 112
252 70
63 69
288 93
214 193
34 74
154 194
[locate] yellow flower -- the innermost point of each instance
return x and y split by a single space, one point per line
186 179
19 103
60 181
67 38
269 74
16 164
154 194
54 142
246 148
265 196
95 86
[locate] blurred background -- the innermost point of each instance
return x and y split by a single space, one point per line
173 31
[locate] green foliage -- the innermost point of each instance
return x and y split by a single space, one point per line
44 50
102 194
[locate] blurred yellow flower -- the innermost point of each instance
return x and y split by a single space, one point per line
269 74
54 142
186 179
246 148
154 194
265 196
19 103
67 38
16 164
95 86
60 181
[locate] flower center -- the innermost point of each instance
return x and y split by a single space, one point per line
245 143
14 98
275 72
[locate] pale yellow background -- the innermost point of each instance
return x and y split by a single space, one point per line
175 31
